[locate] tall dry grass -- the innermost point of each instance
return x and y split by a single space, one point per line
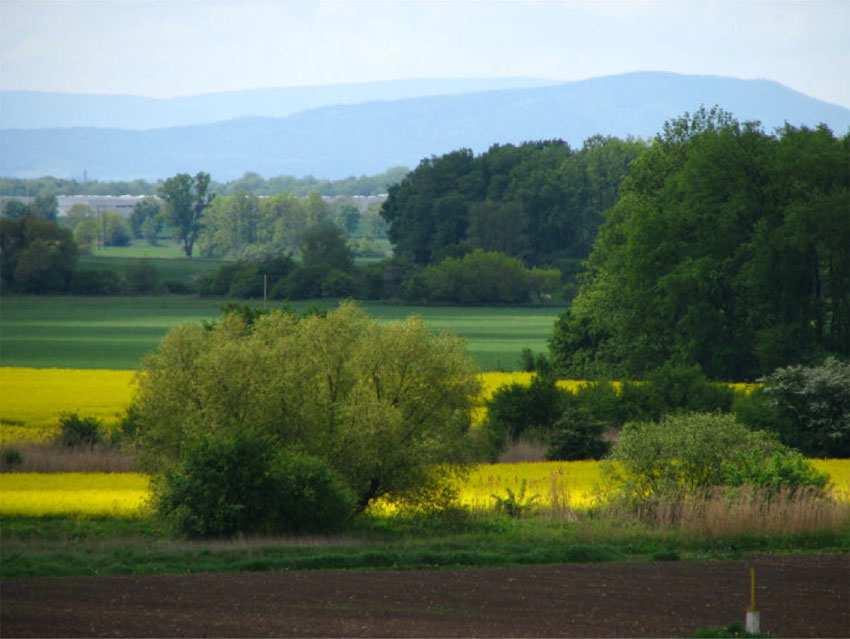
54 458
744 511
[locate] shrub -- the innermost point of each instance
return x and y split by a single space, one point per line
479 277
813 407
578 434
239 483
516 504
601 401
96 282
686 388
75 430
247 282
516 409
337 283
10 458
689 454
142 277
311 497
176 287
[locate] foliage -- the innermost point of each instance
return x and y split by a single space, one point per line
186 198
36 255
727 247
578 434
689 454
75 430
146 219
539 202
244 226
387 407
323 247
10 458
516 504
142 277
516 409
248 183
97 282
811 406
239 483
482 277
116 231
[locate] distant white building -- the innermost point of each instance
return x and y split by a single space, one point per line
122 204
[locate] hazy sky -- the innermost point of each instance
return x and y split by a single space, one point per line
178 47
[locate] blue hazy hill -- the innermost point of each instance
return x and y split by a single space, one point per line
342 140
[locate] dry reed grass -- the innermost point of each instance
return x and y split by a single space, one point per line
746 511
523 451
54 458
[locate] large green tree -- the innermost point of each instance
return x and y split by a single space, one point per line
186 198
727 247
386 406
541 202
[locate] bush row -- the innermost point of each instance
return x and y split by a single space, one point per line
807 407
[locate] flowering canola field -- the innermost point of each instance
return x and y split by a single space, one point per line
75 494
31 399
125 494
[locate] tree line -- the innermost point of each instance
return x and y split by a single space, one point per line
540 202
248 183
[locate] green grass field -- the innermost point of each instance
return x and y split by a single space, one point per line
141 248
115 332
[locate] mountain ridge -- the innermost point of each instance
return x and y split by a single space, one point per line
341 140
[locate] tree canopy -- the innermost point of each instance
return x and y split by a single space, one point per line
186 199
386 406
727 247
541 201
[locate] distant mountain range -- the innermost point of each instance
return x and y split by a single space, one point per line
364 138
42 110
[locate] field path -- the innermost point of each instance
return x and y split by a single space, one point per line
798 596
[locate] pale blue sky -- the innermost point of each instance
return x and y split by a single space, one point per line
178 47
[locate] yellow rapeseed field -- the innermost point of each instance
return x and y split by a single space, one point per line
125 494
31 399
75 494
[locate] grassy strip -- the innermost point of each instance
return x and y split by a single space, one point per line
116 332
61 547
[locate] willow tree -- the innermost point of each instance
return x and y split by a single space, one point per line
386 406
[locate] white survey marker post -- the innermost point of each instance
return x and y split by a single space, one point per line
753 621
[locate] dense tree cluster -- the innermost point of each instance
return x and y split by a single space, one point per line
540 202
727 247
36 255
43 206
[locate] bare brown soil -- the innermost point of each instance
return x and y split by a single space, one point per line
803 596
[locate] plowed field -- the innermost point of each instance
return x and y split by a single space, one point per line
798 596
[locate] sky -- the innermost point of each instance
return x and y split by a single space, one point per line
180 47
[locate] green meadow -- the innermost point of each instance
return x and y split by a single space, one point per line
116 332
